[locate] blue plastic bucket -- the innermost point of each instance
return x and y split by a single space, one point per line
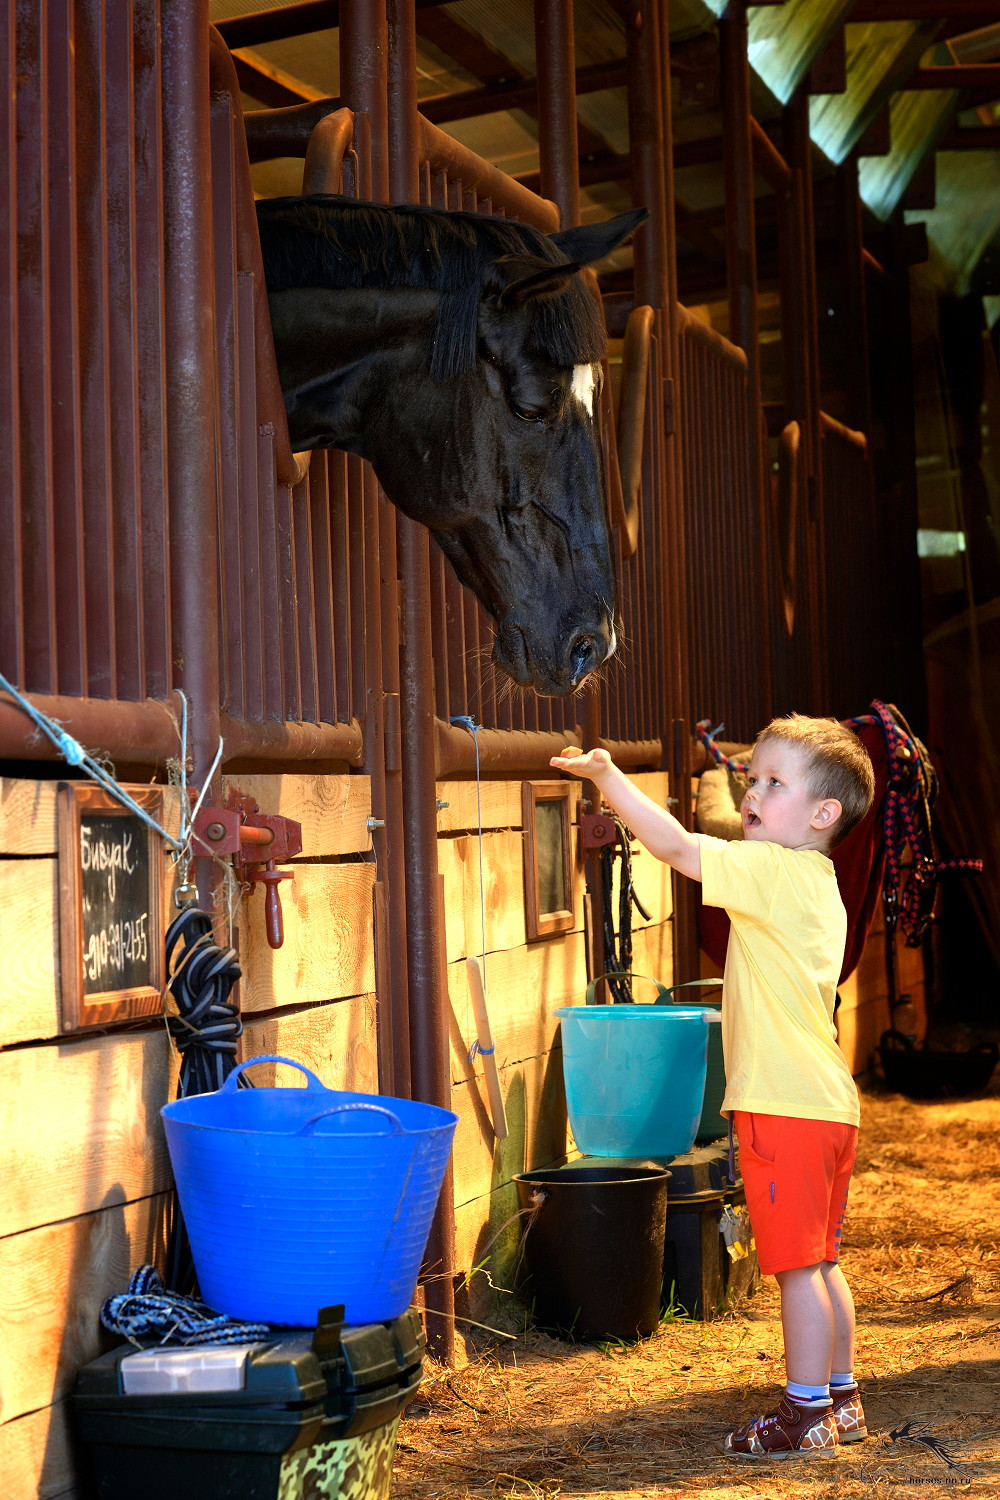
635 1076
296 1199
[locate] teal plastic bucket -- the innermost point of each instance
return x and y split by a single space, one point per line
713 1122
296 1199
635 1076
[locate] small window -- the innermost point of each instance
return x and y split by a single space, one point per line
548 863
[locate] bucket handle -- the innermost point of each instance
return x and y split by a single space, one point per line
313 1084
341 1109
662 991
664 995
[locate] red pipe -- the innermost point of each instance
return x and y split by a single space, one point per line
190 371
429 1045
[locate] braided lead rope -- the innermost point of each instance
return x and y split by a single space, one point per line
708 738
205 1027
148 1311
911 791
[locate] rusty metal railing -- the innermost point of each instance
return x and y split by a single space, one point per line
855 576
726 594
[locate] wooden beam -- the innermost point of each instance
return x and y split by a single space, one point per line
486 62
517 93
982 11
282 21
272 86
956 76
978 138
921 192
828 74
876 140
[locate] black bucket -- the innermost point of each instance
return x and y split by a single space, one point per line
594 1250
921 1074
693 1271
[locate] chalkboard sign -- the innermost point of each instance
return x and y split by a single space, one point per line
110 906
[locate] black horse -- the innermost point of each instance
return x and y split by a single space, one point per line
461 354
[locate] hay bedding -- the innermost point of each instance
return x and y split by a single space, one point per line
538 1418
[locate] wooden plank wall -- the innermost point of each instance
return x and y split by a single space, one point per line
525 983
82 1154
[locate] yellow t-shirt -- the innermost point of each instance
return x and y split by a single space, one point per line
786 948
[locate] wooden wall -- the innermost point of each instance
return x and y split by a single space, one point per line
82 1154
525 983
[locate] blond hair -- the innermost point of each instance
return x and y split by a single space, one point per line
839 765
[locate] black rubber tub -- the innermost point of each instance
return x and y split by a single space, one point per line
922 1074
594 1249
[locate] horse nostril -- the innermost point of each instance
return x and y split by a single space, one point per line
584 656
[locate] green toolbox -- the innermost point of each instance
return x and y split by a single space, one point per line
306 1415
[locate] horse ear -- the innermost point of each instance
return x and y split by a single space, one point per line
590 242
543 283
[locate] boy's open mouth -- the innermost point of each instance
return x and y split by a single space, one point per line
750 818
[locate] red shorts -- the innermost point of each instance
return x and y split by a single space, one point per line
796 1174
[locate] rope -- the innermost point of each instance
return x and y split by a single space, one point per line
912 790
148 1311
708 738
204 1027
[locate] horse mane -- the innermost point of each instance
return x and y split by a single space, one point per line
329 241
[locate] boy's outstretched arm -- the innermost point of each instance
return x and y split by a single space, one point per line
658 829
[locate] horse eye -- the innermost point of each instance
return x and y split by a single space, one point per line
526 415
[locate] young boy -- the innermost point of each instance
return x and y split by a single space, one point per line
789 1091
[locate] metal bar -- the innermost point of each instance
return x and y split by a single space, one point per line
852 285
34 351
64 385
321 567
11 596
123 386
444 154
509 752
139 733
191 371
227 386
288 590
150 343
555 59
268 741
271 622
303 548
768 160
95 409
253 548
364 86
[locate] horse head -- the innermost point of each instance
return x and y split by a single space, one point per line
461 354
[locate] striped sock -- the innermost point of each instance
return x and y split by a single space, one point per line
845 1379
807 1395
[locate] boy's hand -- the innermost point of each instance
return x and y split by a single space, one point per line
592 766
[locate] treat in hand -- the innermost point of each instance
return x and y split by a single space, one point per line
570 750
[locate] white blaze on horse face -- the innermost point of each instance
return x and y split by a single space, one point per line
584 387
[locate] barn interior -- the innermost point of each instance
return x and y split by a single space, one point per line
801 435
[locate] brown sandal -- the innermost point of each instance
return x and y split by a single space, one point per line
792 1431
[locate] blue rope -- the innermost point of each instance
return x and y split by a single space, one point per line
148 1311
74 754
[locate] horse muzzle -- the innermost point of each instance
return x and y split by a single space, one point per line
553 672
